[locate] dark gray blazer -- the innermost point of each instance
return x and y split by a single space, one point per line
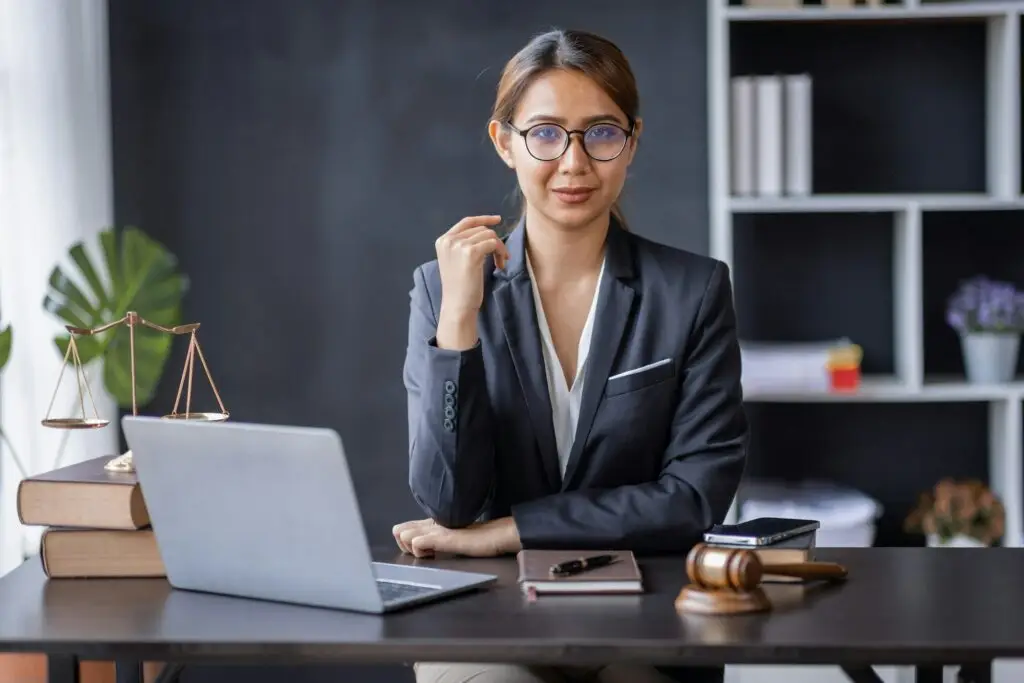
659 452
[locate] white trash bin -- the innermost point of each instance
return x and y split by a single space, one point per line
847 516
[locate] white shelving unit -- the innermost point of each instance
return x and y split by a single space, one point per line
1003 193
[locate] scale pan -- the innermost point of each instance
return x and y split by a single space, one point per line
75 422
201 417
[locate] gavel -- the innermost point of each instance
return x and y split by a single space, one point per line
728 580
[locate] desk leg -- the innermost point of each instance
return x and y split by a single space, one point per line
861 674
969 673
62 669
127 671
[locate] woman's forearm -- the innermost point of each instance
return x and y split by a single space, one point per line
451 450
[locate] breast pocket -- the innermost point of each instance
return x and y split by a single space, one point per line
639 378
635 421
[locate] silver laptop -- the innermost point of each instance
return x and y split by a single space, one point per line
269 512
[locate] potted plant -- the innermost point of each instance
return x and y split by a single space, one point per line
958 514
989 316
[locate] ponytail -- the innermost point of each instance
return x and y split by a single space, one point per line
619 216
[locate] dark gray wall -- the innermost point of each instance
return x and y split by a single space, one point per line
301 158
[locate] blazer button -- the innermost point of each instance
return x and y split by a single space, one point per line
449 412
449 387
449 425
449 400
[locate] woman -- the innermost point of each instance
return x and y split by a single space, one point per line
573 385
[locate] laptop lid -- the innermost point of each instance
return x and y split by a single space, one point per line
260 511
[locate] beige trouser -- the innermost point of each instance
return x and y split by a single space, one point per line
445 672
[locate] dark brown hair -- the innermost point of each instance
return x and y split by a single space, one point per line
590 54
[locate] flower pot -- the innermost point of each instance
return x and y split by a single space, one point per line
990 357
956 541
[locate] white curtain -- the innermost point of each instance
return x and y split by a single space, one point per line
55 190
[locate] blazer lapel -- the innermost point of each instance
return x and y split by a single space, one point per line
614 305
514 297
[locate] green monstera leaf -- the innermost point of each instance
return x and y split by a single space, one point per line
136 274
6 340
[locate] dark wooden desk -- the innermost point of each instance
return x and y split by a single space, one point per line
913 606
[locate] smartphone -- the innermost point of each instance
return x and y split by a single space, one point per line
760 531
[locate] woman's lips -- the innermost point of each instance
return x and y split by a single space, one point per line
574 195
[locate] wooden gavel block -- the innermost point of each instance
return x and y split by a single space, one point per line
728 580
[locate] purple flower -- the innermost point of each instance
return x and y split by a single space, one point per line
984 305
956 319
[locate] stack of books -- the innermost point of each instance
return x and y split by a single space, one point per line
96 522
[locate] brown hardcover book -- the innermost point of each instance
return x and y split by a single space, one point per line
621 576
83 495
100 553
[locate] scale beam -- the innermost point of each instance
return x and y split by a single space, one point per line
123 462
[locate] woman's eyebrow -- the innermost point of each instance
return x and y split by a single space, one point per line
586 122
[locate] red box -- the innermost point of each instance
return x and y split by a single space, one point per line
845 378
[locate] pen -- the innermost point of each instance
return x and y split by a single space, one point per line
581 564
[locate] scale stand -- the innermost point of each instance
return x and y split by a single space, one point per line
123 462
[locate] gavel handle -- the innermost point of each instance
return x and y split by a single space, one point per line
808 570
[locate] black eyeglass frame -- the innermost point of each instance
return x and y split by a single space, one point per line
568 137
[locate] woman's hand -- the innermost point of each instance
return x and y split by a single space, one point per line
425 537
460 256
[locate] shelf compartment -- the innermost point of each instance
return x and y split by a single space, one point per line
792 275
957 245
900 109
854 445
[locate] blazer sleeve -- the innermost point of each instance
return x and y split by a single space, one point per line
702 466
451 448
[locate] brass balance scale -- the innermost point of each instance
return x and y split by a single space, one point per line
123 462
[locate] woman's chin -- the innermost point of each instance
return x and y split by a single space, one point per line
575 217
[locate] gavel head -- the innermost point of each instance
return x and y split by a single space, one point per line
731 569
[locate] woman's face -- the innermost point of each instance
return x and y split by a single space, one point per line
571 190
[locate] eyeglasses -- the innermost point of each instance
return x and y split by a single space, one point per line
548 141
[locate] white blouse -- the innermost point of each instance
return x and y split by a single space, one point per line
565 400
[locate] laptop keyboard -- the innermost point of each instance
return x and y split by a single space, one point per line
394 590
